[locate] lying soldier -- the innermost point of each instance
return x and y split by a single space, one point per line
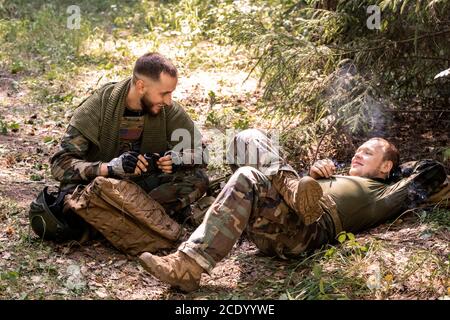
285 215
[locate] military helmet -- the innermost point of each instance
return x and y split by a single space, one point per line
48 220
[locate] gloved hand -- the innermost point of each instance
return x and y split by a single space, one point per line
126 165
169 162
152 159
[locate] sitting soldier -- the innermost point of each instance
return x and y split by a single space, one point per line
286 215
129 131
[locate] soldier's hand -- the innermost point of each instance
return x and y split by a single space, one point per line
128 164
165 164
141 165
322 169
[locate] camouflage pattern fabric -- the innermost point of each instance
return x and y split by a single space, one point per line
122 212
67 164
249 202
131 129
175 191
254 148
440 198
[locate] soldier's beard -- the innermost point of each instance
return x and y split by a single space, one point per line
148 107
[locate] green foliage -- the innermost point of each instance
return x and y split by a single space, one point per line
321 284
212 98
48 140
36 177
11 276
351 244
3 127
14 126
298 49
17 66
193 19
229 117
35 40
34 36
447 154
439 218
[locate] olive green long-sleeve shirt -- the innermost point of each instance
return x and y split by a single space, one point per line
363 203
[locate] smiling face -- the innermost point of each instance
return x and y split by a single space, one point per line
155 94
369 160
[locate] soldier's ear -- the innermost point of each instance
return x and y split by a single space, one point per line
386 166
140 86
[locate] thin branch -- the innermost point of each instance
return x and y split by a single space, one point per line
321 140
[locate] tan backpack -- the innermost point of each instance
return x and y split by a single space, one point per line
126 216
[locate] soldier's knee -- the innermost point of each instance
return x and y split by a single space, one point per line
249 174
246 171
251 134
248 148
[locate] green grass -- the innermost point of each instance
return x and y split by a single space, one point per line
360 267
438 218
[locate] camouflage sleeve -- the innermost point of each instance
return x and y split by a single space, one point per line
67 164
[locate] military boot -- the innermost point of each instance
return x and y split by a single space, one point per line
301 194
176 269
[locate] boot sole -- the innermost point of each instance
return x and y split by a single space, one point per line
308 196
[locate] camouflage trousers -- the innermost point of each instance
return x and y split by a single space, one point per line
250 203
175 191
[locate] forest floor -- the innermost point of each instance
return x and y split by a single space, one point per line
408 258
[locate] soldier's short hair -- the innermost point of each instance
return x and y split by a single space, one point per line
390 152
151 65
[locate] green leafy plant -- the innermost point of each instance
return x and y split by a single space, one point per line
14 126
36 177
349 241
3 127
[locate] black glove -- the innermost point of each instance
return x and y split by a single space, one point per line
152 158
124 165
